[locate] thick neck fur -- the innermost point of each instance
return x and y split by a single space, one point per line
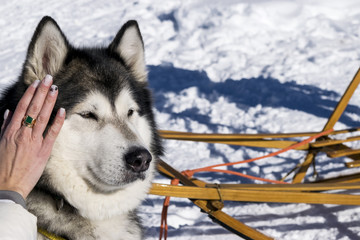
57 216
63 221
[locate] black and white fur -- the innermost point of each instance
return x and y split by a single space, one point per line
100 168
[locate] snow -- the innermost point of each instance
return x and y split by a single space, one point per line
228 67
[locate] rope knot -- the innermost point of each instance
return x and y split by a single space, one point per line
188 173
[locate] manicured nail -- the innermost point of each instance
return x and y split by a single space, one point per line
36 83
6 114
53 89
48 80
61 112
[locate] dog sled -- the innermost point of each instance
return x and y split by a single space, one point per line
210 198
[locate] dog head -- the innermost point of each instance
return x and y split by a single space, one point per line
104 155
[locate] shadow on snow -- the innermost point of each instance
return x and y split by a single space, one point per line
245 93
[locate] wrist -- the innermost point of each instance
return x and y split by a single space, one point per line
6 186
13 196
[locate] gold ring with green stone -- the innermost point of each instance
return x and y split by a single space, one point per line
29 121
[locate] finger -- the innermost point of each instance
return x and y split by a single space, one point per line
23 104
45 112
37 102
6 114
53 131
5 122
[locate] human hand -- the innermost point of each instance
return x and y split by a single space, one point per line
24 151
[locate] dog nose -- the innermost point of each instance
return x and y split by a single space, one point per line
138 159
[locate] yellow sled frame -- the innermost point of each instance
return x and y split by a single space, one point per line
209 197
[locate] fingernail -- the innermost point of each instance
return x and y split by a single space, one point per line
53 89
48 80
36 83
6 114
62 112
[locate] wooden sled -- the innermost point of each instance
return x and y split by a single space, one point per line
210 197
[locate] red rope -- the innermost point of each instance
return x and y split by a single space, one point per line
164 225
211 168
190 173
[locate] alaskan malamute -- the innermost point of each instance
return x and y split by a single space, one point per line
103 161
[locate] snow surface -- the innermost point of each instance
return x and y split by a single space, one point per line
229 67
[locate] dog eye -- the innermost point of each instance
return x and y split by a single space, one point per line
88 115
130 112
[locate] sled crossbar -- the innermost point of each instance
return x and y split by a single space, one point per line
249 194
260 140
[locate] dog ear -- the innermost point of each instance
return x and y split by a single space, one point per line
47 51
128 44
